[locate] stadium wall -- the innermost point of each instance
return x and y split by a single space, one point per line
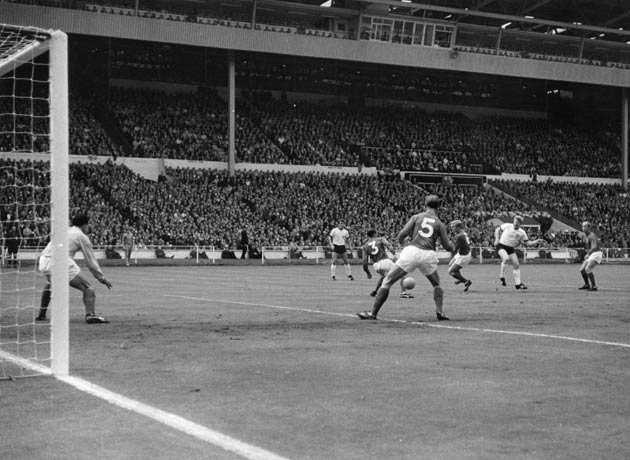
171 163
155 165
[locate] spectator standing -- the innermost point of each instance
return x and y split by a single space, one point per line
128 241
244 242
12 241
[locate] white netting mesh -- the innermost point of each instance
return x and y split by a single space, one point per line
24 197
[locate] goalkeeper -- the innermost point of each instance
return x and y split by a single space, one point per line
77 241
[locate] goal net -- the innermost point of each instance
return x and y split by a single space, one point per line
33 199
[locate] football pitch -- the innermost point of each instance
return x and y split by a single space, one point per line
270 362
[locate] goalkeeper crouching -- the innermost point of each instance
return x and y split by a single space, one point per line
77 241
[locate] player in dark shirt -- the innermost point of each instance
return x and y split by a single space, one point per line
422 231
375 250
462 255
593 257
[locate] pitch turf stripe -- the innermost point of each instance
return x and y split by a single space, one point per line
176 422
419 323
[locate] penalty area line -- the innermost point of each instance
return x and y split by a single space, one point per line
418 323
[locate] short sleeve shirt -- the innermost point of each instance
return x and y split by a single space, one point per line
512 237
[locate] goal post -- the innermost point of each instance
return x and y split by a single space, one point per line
59 147
34 198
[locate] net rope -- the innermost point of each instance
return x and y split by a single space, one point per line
24 198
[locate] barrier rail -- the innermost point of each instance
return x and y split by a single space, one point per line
317 254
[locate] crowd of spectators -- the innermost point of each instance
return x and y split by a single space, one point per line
186 126
275 130
87 136
208 208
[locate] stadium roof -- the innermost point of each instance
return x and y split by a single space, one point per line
607 20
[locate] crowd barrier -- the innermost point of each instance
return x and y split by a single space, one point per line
312 254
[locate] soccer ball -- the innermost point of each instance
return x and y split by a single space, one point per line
408 283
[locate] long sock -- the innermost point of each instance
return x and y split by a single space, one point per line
585 277
591 277
43 306
381 297
458 276
348 271
502 272
333 269
517 276
438 297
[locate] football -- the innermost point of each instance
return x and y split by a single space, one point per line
409 283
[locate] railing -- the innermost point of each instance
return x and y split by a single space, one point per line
312 254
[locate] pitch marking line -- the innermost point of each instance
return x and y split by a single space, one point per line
176 422
419 323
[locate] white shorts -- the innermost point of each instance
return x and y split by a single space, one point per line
460 260
382 267
45 266
595 257
412 257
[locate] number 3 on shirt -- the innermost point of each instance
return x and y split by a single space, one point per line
427 229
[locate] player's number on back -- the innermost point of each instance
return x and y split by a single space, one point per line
374 249
427 227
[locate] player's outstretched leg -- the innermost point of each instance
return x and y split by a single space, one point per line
394 275
438 297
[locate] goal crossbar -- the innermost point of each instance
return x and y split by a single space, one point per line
31 44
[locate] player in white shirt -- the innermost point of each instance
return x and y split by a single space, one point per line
507 237
338 239
77 241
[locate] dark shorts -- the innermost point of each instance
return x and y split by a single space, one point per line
510 250
341 250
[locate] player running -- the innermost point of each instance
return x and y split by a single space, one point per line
423 230
506 238
462 255
375 251
592 259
